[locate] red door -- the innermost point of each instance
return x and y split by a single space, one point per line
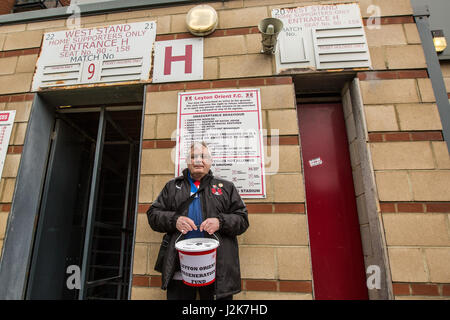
335 240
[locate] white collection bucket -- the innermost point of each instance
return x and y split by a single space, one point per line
198 260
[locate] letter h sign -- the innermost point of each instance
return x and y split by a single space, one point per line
178 60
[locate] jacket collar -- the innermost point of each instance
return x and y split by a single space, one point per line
204 180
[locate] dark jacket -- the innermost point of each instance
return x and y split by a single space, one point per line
228 207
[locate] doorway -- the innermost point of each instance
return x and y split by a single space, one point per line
83 240
335 240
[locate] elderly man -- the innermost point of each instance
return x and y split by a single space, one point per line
216 208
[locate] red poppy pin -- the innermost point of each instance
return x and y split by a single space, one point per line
215 190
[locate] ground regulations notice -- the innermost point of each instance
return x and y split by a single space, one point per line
230 122
108 54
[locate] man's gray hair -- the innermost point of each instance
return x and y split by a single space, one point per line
197 144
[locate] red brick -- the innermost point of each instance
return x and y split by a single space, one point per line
411 74
153 88
142 208
427 136
6 6
148 144
419 289
402 136
278 80
290 208
217 33
376 137
401 289
184 36
362 76
410 207
165 144
4 98
17 98
382 75
296 286
397 20
261 285
164 37
446 290
141 281
29 97
288 140
259 208
6 207
377 75
155 281
281 140
438 207
12 53
224 83
393 20
237 31
251 82
17 149
198 85
387 207
172 86
31 51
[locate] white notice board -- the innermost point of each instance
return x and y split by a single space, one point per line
6 124
230 122
178 60
106 54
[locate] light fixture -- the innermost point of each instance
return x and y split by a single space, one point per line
201 20
440 43
269 28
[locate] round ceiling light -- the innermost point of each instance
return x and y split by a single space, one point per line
201 20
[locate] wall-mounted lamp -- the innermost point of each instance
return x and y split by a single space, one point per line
269 28
201 20
440 43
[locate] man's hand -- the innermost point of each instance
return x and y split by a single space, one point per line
185 224
210 225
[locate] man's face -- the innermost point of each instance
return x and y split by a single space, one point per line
199 162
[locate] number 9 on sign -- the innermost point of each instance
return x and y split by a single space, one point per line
91 72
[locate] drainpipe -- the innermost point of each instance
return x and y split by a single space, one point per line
421 17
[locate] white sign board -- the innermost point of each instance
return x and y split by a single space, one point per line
178 60
230 122
108 54
321 37
6 124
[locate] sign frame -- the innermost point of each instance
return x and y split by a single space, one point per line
235 140
100 55
306 22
